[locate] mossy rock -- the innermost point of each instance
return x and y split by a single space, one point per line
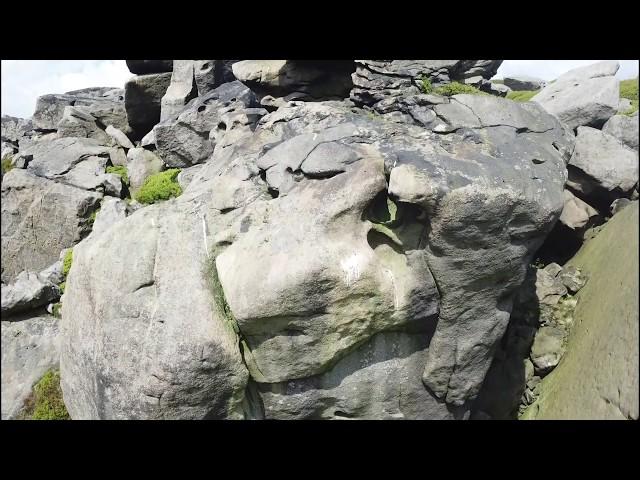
7 164
629 90
121 171
160 186
46 402
457 88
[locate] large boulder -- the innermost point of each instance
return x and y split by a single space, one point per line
30 347
524 82
39 219
76 122
601 168
308 80
182 89
624 128
142 99
376 80
586 96
14 128
321 252
28 292
141 164
142 67
597 378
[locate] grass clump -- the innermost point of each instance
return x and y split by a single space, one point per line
522 96
457 88
6 164
45 402
161 186
629 90
425 84
121 171
66 262
56 310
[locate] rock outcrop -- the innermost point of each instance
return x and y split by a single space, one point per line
524 82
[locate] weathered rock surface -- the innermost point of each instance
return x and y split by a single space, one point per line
182 89
30 347
142 67
112 210
141 165
576 214
76 122
27 292
118 137
524 82
624 128
586 96
39 219
601 168
14 128
142 99
547 348
598 375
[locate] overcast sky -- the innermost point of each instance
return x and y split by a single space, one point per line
24 80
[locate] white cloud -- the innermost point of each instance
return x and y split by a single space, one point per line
550 69
23 81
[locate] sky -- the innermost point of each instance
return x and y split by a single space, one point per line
23 81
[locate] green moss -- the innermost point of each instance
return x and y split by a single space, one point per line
56 310
629 90
522 96
457 88
66 262
161 186
46 402
425 84
120 170
6 164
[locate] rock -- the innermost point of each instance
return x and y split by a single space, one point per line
587 96
601 168
499 89
40 218
528 370
182 89
313 80
29 348
185 140
168 355
549 288
141 165
210 74
624 128
53 274
374 80
76 122
572 278
142 99
14 128
149 141
618 205
553 269
547 348
112 210
118 156
598 376
118 137
27 292
186 176
623 106
524 82
142 67
576 214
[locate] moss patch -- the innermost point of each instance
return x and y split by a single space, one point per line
457 88
522 96
161 186
629 90
425 84
57 310
121 171
66 262
6 164
45 402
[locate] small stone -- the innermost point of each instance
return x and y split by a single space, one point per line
547 349
553 269
572 278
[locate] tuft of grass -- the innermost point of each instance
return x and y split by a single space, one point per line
457 88
160 186
6 164
425 84
121 171
46 402
56 310
629 90
66 262
522 96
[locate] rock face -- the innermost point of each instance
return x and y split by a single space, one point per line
141 165
601 169
321 252
375 80
576 214
598 375
308 80
585 96
30 347
143 67
182 89
624 128
75 122
28 292
142 98
39 219
524 82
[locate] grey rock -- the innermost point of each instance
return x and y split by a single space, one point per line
624 105
572 278
118 137
528 370
29 348
576 214
76 122
53 273
553 269
112 210
27 292
182 89
618 204
40 218
624 128
601 166
141 67
149 141
142 99
141 165
587 96
118 156
549 288
499 89
14 128
186 175
547 349
524 82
